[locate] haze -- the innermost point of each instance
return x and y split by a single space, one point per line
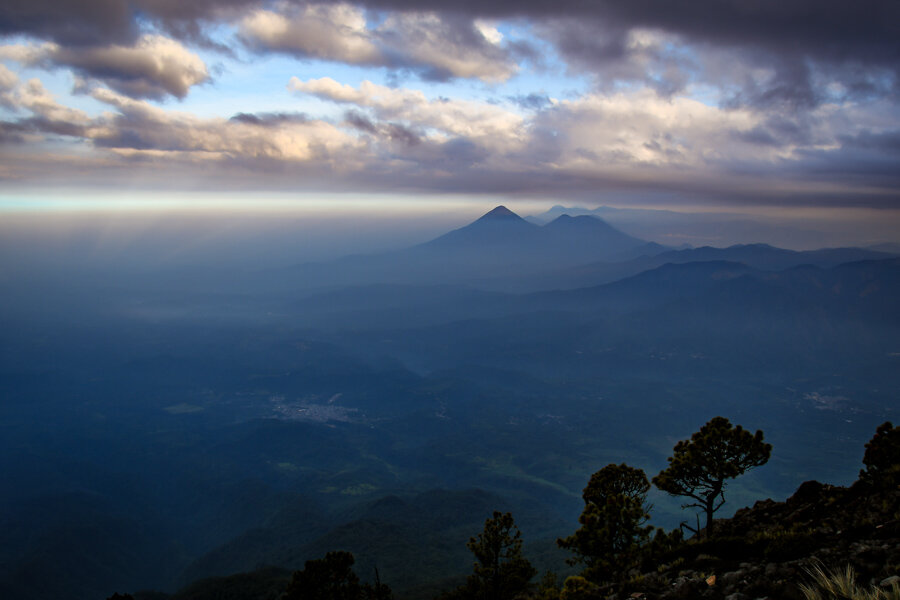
283 277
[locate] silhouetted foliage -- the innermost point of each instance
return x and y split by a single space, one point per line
377 590
500 570
579 588
329 578
699 467
882 457
612 530
618 480
548 587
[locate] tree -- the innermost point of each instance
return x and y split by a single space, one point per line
500 570
615 480
329 578
882 457
699 467
612 530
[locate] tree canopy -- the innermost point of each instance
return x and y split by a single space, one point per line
500 570
613 529
699 466
332 578
882 457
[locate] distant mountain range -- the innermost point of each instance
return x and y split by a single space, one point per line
711 228
758 256
489 251
511 239
501 251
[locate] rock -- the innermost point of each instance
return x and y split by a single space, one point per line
737 596
731 578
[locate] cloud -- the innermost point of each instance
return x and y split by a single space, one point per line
153 67
532 101
492 125
34 97
87 22
267 119
398 138
8 81
772 56
330 32
139 126
443 48
433 46
391 132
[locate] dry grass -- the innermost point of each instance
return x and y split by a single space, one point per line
841 585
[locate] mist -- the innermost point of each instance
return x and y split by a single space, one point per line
216 392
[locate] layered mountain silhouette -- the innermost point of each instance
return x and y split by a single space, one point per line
497 246
757 256
503 237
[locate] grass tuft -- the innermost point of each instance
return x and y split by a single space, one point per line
841 585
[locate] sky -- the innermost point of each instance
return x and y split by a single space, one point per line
738 105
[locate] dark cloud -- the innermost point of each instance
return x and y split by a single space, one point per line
86 22
531 101
778 131
268 119
55 127
841 30
359 121
154 68
856 44
131 137
11 132
759 136
835 30
15 131
401 133
885 142
806 42
395 132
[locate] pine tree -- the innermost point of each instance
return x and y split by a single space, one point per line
500 570
613 529
882 457
699 466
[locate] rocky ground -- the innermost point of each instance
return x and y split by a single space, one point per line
767 551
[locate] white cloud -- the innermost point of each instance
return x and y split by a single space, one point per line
141 127
155 66
34 97
642 129
447 48
490 125
330 32
433 46
8 81
488 31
